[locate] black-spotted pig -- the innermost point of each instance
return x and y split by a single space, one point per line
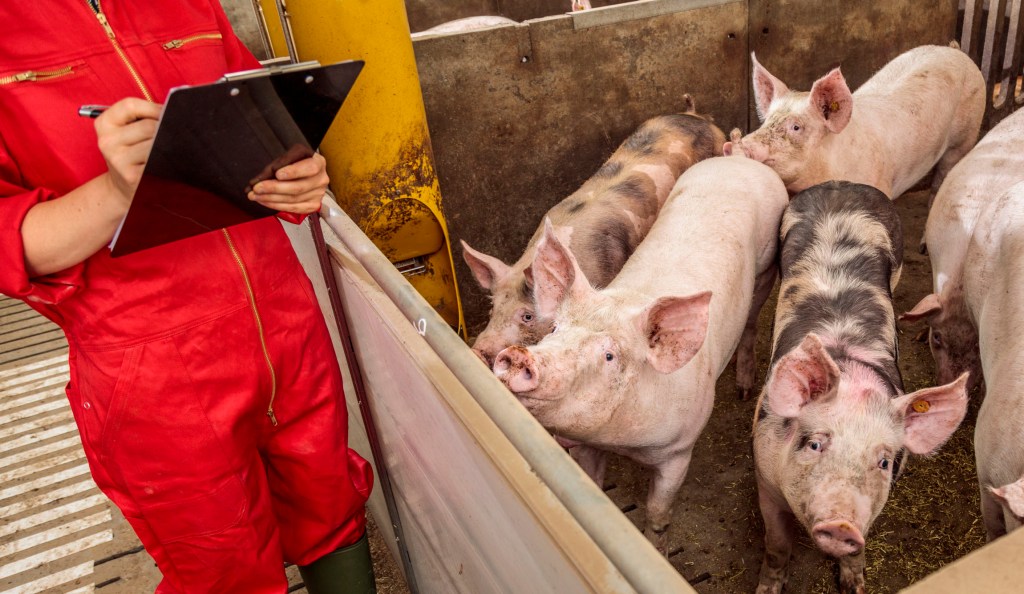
601 223
832 420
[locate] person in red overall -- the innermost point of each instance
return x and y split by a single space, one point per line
203 379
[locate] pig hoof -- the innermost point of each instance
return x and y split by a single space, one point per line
922 248
743 394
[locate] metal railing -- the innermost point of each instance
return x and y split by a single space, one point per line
993 36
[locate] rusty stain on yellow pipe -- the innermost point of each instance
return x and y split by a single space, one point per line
378 151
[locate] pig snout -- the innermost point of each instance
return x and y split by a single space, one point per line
838 538
516 368
749 148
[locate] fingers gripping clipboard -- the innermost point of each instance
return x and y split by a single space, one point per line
215 142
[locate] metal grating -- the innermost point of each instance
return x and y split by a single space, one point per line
993 35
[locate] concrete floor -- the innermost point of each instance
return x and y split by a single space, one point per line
58 532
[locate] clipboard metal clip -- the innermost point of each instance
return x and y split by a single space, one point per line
271 69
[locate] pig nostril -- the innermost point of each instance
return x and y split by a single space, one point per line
527 374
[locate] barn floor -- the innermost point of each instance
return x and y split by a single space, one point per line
58 533
932 516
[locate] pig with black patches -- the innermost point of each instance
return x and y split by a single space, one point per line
601 223
994 289
832 420
922 110
631 368
995 164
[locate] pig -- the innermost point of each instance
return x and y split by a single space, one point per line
486 21
923 109
996 163
993 277
467 24
832 420
602 222
631 368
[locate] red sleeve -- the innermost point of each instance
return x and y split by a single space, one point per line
15 202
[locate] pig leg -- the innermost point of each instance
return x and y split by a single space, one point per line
992 515
665 484
593 462
779 534
851 574
746 358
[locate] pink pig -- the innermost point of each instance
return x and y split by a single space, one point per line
996 163
922 110
631 368
993 277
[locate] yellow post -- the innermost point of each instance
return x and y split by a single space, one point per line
378 151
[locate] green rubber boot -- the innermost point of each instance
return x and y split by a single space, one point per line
347 570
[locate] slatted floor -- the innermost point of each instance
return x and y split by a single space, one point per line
58 532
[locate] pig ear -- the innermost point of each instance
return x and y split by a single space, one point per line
803 375
1012 496
488 270
766 88
675 328
554 272
932 414
831 98
925 308
734 137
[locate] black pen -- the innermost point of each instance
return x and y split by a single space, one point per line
92 111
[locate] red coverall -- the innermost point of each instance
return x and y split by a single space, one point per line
203 379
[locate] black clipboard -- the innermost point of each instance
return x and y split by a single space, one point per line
215 141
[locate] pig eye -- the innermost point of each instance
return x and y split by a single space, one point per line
795 127
936 340
608 356
527 317
883 464
814 445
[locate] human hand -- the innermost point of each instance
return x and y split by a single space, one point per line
124 133
297 188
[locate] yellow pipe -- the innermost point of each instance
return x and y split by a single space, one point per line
378 151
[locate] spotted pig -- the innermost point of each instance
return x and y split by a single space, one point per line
832 420
601 223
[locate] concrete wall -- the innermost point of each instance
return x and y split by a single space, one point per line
245 19
521 115
424 14
801 40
